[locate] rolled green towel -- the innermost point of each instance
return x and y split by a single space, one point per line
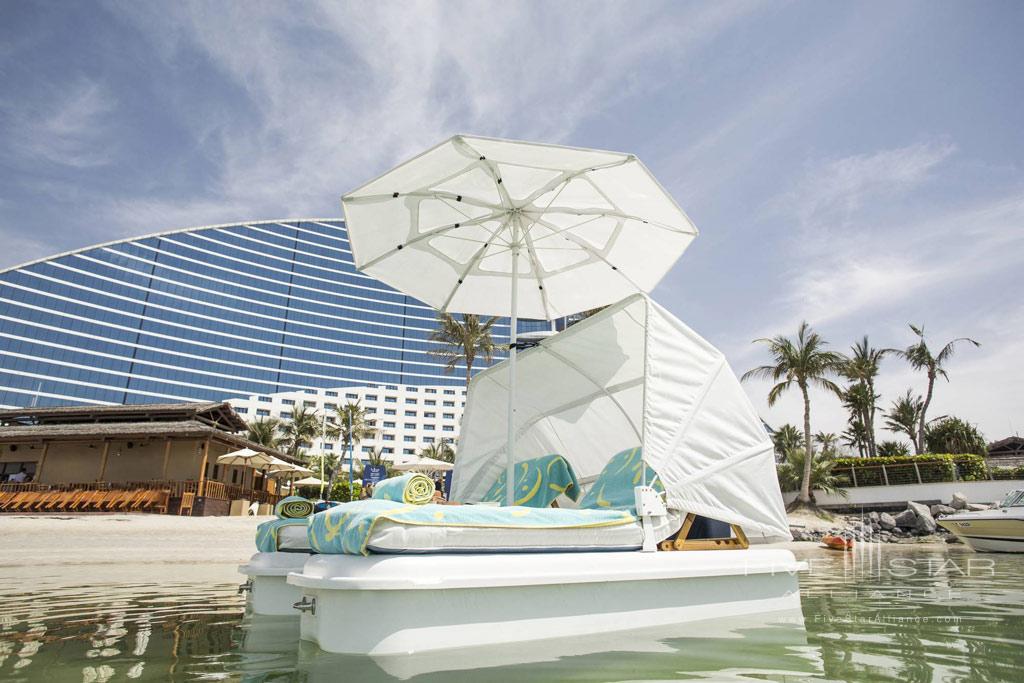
413 488
293 507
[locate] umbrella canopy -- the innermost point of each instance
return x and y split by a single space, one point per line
309 481
246 457
479 225
588 227
423 464
280 468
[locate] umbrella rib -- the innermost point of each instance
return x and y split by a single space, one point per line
568 176
426 235
425 194
472 263
596 254
491 169
537 274
557 232
614 214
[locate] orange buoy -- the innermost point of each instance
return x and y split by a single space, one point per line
837 542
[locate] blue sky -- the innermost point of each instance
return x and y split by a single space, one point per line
857 165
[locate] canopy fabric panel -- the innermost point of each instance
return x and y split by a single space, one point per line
631 375
443 226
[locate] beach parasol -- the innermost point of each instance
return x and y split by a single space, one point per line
308 481
423 464
487 226
246 457
280 468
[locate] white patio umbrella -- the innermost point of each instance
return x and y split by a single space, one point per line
486 226
423 464
246 457
308 481
281 468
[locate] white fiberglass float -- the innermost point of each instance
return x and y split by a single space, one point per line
284 548
630 375
267 589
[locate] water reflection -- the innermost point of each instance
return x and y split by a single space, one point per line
866 617
769 648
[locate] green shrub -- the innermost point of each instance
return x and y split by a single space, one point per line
888 449
340 492
953 435
1008 472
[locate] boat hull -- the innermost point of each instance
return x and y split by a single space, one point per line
992 532
269 592
416 604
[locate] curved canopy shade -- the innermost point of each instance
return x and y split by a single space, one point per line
631 375
590 227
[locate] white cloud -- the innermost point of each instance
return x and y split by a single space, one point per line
339 93
865 260
833 190
68 126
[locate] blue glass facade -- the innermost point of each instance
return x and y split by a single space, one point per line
205 314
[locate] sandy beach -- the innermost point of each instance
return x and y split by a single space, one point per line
211 544
59 551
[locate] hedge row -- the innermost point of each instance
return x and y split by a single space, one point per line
1008 472
899 469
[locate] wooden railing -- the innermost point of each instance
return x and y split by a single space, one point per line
210 489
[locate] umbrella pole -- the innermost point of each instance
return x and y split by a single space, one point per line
351 456
510 466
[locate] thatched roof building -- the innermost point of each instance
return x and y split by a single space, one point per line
174 446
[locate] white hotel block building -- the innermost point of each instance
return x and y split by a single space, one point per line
407 418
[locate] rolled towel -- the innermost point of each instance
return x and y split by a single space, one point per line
413 488
293 507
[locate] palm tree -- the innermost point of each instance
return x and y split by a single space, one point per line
827 442
920 358
351 427
438 451
804 363
302 428
888 449
856 436
791 473
861 367
860 402
463 340
264 431
904 417
786 438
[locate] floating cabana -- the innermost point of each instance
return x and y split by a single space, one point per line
629 380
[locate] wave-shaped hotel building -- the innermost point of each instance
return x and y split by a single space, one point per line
208 313
253 312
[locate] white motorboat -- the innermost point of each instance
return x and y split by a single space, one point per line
627 375
999 530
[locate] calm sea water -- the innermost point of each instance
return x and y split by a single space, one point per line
900 613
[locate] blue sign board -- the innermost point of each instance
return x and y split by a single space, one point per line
374 473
